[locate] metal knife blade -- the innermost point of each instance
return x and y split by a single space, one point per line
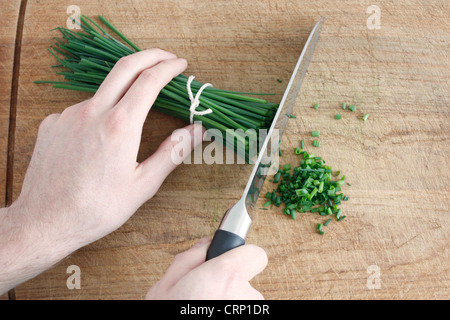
236 221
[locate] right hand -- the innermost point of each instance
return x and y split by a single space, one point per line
227 276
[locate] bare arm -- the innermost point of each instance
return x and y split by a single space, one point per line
26 250
83 180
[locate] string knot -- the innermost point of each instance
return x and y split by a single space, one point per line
195 101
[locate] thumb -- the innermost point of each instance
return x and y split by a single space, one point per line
177 147
186 261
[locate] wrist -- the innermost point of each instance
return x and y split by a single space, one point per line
27 246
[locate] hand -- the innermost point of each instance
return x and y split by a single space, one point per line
83 180
83 177
224 277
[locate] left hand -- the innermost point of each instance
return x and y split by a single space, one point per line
83 180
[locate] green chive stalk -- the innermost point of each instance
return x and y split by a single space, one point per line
86 57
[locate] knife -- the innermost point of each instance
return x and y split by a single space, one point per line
236 222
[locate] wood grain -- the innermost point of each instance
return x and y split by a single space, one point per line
7 41
397 162
10 14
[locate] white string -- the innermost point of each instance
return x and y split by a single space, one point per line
195 101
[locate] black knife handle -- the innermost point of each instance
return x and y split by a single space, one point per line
222 242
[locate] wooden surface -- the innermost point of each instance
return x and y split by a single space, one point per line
10 14
397 162
7 44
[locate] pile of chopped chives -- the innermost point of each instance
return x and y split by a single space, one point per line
308 188
86 57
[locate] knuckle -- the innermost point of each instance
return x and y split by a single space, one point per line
125 62
150 75
162 53
179 257
229 268
118 120
260 253
166 147
67 112
87 110
158 51
182 256
48 121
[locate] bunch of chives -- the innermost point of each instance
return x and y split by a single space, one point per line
86 57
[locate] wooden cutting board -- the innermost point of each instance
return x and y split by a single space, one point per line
397 161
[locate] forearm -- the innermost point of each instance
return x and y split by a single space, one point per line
26 248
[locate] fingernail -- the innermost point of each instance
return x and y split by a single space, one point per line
203 241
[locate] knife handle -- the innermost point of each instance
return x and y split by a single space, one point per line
231 232
222 242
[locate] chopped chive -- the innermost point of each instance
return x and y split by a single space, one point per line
338 214
352 108
278 201
313 193
290 116
315 133
319 228
321 186
268 203
293 214
301 144
342 218
316 106
327 222
273 196
276 179
301 192
338 116
279 80
316 143
297 150
365 117
344 105
329 211
280 152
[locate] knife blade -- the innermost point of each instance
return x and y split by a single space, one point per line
236 222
